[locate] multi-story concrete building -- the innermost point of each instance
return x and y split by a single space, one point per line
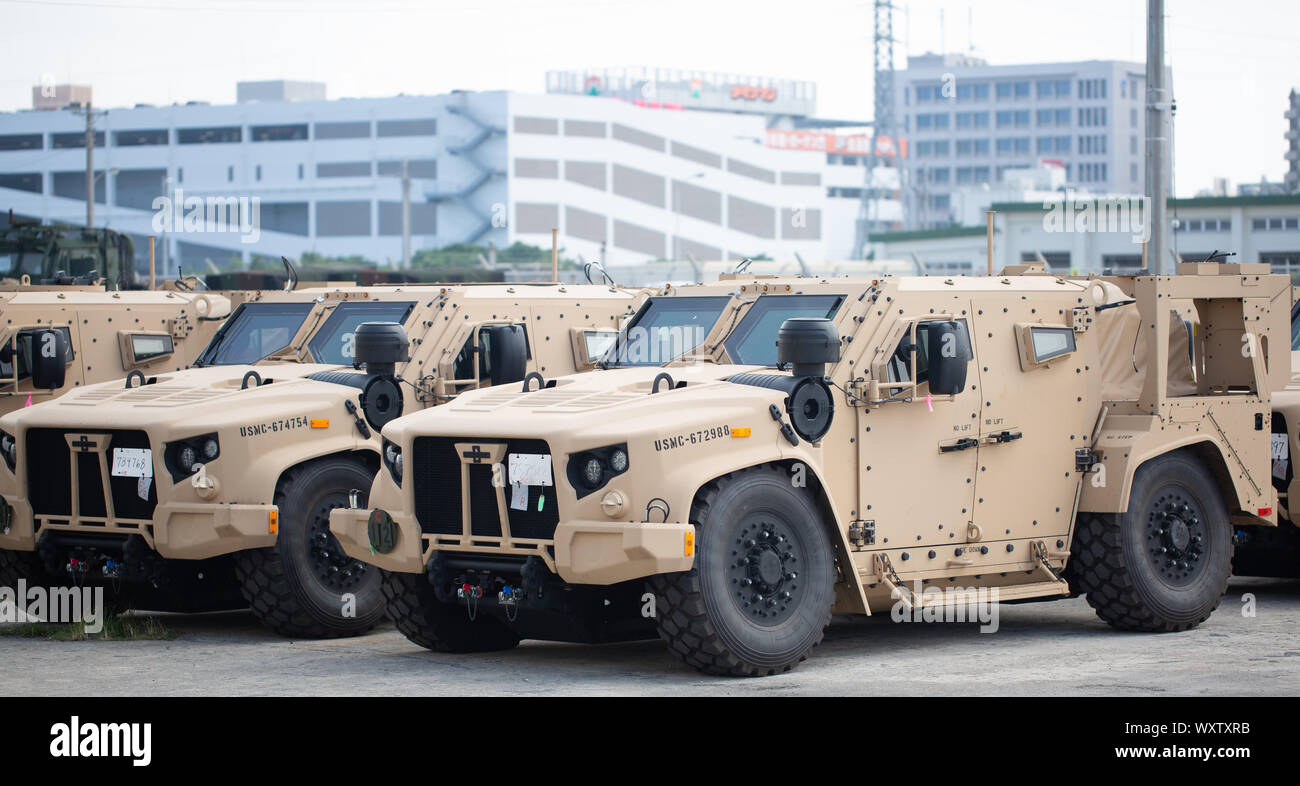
623 180
1255 228
968 122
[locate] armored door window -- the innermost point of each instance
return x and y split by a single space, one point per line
333 342
900 363
464 367
19 353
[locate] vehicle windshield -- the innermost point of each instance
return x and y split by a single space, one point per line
665 328
333 342
753 341
255 331
16 259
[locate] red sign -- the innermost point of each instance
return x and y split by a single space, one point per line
839 144
752 93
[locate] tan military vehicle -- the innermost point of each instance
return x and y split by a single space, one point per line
840 446
92 335
1275 551
211 487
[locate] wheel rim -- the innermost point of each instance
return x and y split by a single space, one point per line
335 570
763 571
1176 537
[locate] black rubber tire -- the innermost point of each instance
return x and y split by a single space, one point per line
280 583
699 612
443 627
15 565
1114 565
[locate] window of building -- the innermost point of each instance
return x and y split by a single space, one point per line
209 136
74 139
140 137
22 142
422 127
283 133
1004 90
351 129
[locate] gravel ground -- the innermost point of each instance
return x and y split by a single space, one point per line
1052 648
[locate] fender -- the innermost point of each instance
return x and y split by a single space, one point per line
1129 441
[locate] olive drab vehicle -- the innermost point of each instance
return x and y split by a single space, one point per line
211 487
36 253
849 447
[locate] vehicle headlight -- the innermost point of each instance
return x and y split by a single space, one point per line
184 456
590 470
393 461
9 449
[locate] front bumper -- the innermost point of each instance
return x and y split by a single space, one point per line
582 552
177 530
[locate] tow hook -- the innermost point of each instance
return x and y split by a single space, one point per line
112 569
509 597
470 593
76 566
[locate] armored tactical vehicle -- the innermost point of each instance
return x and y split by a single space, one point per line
211 488
841 446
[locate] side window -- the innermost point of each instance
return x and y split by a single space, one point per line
23 353
463 366
900 364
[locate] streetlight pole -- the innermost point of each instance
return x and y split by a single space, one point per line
1157 138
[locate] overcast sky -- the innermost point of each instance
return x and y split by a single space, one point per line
1233 62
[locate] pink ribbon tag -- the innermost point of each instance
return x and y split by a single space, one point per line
29 400
927 402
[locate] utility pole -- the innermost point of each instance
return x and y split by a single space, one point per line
89 112
1157 147
406 216
882 124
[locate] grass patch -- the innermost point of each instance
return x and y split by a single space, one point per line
117 627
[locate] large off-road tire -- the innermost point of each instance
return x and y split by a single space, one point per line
759 595
15 565
297 587
1163 565
444 627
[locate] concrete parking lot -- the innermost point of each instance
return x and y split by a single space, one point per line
1054 648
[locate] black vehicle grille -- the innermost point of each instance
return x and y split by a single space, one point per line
435 473
49 476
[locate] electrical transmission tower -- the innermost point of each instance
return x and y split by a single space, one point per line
882 129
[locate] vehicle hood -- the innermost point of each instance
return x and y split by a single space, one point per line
614 401
198 393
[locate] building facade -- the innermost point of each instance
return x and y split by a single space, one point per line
969 122
1254 228
623 181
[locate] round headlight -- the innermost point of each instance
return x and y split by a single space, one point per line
186 458
618 461
397 465
209 449
593 472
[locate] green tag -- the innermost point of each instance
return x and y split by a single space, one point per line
541 500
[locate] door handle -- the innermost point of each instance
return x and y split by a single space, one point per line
1003 436
966 443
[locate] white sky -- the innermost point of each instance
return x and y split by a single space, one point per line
1233 62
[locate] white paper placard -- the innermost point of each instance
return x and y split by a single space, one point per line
518 496
531 469
1279 446
142 485
133 462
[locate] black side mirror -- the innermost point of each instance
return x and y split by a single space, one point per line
504 353
948 353
49 359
